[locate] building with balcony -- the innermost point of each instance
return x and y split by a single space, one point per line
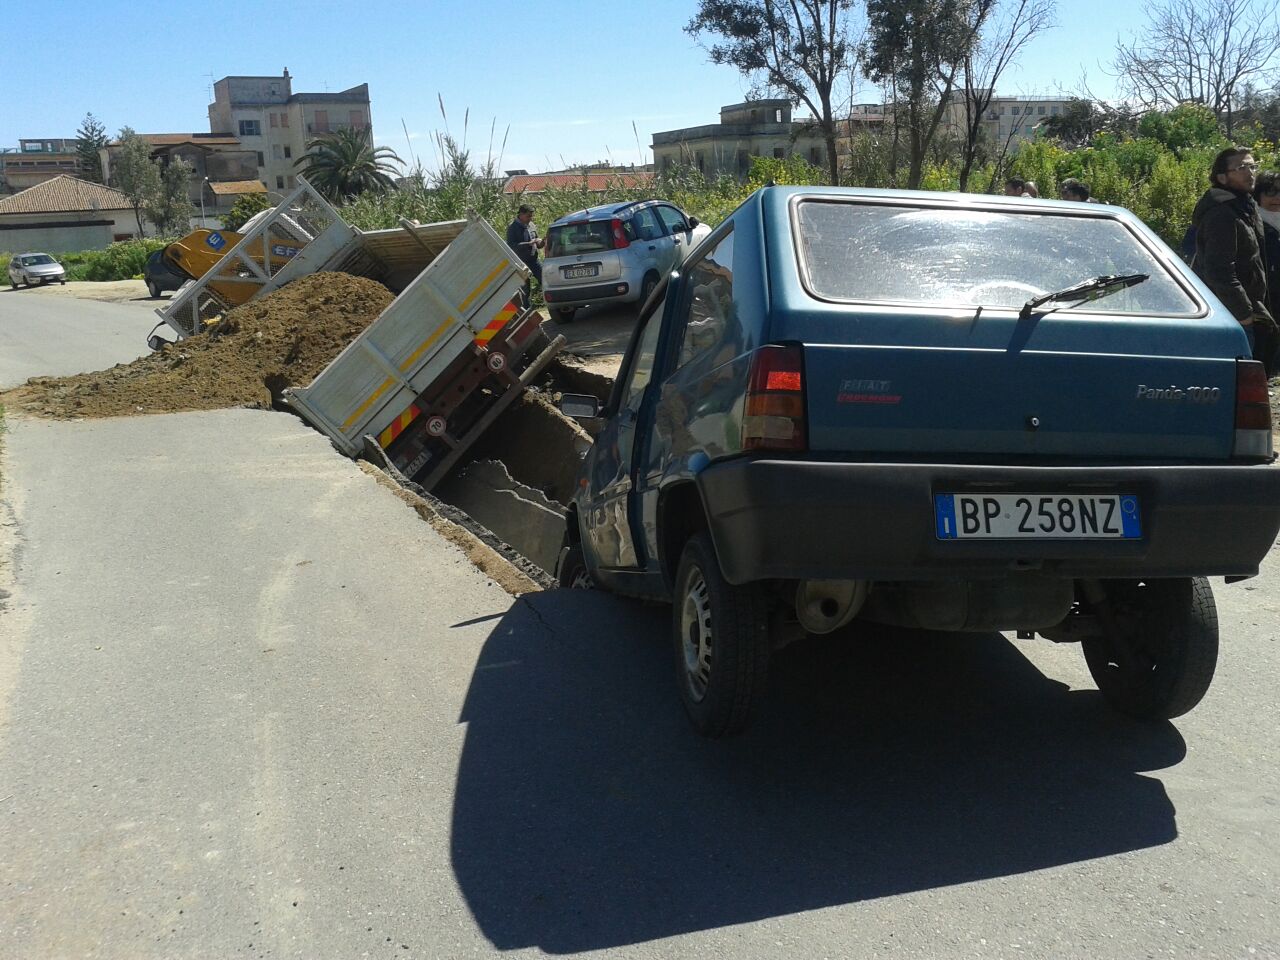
37 160
276 124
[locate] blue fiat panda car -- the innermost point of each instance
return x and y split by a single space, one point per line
941 411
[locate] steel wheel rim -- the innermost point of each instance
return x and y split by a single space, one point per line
696 635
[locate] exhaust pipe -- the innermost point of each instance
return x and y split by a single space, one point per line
826 605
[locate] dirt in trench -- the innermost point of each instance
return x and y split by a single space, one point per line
281 340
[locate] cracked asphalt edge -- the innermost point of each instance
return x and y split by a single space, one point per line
498 561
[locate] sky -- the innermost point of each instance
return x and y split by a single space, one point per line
534 85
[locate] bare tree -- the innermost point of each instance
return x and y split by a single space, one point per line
1201 51
1014 24
799 48
918 48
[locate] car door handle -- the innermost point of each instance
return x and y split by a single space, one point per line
676 241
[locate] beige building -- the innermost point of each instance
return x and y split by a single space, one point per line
1011 120
276 124
65 214
36 160
214 158
756 128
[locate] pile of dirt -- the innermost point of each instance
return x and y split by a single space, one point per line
281 340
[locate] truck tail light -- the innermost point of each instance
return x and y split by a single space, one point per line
620 241
1253 412
774 417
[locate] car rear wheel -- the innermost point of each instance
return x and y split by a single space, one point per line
153 290
722 646
1157 657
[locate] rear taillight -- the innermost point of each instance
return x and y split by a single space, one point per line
773 418
1253 412
620 241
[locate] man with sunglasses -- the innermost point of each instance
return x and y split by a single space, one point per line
1230 245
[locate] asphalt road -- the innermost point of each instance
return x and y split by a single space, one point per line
251 706
43 335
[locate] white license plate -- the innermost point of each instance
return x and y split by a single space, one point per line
1036 516
577 273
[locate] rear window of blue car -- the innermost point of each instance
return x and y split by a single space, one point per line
963 257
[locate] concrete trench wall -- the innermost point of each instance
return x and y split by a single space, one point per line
521 476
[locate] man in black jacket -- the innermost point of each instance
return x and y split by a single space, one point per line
1230 248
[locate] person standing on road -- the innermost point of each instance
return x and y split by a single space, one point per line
1015 187
522 237
1230 252
1266 194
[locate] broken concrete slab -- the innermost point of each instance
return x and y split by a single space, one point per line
518 514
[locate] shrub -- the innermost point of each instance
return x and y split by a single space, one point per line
120 261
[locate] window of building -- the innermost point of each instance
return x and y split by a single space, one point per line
250 128
357 119
274 120
322 121
262 161
815 156
277 152
279 183
777 116
1040 111
1015 111
1053 111
288 152
284 120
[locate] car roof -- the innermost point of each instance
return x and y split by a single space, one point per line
603 212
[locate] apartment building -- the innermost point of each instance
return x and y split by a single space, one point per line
1011 120
37 160
276 124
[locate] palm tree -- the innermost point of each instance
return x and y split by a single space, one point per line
345 164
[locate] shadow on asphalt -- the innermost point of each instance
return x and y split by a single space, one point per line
588 815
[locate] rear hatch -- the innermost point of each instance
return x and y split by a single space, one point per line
913 343
581 253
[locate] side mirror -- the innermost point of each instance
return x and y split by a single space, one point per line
694 222
579 406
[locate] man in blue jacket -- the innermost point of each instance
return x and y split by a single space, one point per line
522 237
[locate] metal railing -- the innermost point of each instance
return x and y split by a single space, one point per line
260 259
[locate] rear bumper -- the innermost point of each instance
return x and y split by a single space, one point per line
580 296
779 519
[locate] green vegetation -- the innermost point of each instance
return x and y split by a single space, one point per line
346 164
1156 165
120 261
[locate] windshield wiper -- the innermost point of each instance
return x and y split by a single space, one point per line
1083 292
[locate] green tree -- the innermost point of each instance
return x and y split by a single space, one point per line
799 48
245 207
167 205
917 50
90 138
134 174
346 164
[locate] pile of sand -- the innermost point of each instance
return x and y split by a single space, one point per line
281 340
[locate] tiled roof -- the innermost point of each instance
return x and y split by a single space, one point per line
595 182
64 194
234 188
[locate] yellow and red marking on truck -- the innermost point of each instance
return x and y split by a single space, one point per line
397 426
500 320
